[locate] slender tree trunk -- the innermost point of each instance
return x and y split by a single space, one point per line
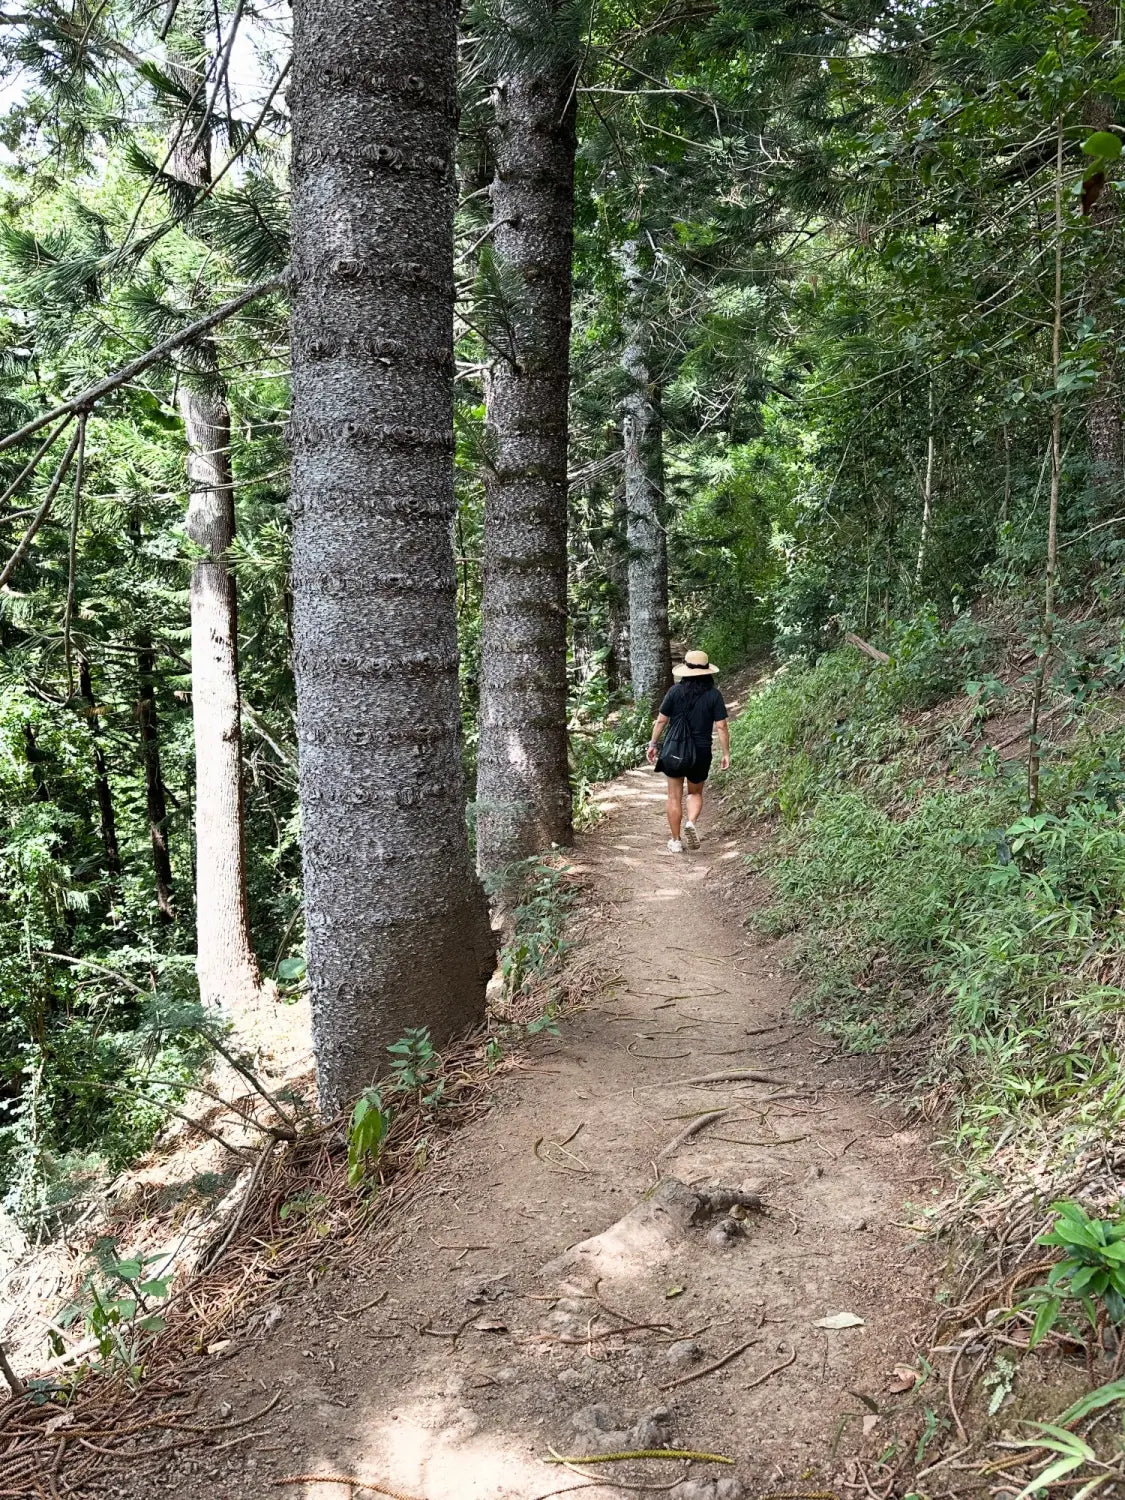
1034 755
155 799
1103 413
225 964
617 668
523 783
643 436
927 495
1006 497
398 932
35 760
106 816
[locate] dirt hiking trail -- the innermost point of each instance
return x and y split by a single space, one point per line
539 1294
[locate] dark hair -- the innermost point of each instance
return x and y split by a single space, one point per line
693 688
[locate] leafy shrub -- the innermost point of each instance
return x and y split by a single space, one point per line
115 1305
1091 1272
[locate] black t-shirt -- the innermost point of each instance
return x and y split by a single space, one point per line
702 715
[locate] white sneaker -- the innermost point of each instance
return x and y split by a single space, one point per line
675 847
691 838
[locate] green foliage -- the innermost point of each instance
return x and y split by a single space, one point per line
1073 1452
816 727
543 900
1091 1271
115 1307
600 754
367 1130
99 256
415 1065
415 1069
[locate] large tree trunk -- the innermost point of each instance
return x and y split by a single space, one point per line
1103 413
398 932
106 816
643 436
523 785
225 964
155 799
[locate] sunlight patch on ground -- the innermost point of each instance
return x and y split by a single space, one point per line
431 1447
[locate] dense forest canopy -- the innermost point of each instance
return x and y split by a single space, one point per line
753 325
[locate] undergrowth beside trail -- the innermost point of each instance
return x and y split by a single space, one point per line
982 950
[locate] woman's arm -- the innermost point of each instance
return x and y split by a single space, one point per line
659 725
723 729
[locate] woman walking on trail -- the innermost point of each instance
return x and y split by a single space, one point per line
694 707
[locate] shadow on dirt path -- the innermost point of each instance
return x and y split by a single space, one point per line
497 1341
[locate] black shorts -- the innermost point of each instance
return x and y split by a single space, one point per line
696 773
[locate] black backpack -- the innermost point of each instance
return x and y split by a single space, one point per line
677 749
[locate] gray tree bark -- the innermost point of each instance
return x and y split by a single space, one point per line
225 964
523 783
156 802
643 437
398 932
617 667
1103 413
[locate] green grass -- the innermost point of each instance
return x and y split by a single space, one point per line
927 902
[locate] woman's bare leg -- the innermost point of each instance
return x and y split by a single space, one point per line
675 805
694 801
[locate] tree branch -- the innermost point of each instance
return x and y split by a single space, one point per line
113 382
41 514
15 1384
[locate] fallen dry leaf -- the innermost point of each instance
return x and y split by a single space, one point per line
870 1422
905 1379
840 1320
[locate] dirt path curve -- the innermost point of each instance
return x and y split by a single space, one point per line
386 1393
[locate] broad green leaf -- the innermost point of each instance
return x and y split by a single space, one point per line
1044 1320
1103 144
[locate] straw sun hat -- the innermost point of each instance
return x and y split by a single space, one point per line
694 664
